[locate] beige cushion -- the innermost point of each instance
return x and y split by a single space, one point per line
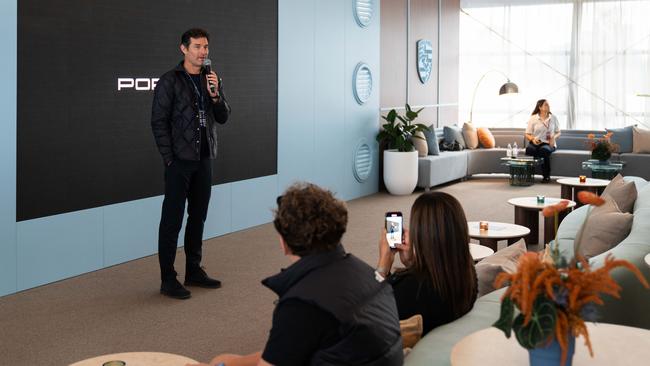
420 144
640 140
470 135
604 227
622 192
411 330
504 260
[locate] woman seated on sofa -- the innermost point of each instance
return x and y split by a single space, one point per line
439 281
542 132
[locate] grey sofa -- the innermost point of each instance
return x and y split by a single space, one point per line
631 309
566 161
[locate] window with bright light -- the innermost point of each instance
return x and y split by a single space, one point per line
589 59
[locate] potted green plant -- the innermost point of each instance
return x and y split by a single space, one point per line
400 158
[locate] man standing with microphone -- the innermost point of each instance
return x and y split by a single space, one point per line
188 103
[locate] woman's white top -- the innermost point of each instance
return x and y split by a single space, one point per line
543 129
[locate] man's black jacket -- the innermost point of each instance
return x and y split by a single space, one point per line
175 116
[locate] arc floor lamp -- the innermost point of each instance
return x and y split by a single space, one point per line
508 88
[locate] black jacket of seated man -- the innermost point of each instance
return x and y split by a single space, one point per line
332 311
185 111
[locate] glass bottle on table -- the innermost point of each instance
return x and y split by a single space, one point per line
509 151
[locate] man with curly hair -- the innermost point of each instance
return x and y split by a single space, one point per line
331 310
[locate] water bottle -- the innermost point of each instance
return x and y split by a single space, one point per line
509 151
515 150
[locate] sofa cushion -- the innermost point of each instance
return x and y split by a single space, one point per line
454 133
604 228
504 260
420 143
621 137
432 141
622 192
443 168
485 138
641 140
470 135
636 165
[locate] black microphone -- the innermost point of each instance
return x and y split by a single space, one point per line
206 66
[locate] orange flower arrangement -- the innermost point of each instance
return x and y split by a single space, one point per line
554 296
601 148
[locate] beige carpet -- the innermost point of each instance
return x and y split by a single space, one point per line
119 309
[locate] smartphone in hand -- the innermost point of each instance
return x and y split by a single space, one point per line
394 228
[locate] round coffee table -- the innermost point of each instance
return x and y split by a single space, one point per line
138 359
569 187
527 211
496 231
612 345
479 252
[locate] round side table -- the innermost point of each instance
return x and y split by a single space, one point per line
569 187
496 231
527 211
138 359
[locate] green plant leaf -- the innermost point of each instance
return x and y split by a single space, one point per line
391 116
411 115
540 327
406 122
408 107
505 319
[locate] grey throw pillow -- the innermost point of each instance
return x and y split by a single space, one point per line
622 137
622 192
454 133
432 141
504 260
603 229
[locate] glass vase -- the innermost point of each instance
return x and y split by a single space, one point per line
551 354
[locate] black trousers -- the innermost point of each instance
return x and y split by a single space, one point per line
189 181
544 151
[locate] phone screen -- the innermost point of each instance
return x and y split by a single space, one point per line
394 225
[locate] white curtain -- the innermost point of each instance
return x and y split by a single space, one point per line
589 59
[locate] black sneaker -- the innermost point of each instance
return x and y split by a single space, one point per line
546 179
199 278
173 288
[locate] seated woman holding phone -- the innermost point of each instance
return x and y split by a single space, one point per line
439 281
542 132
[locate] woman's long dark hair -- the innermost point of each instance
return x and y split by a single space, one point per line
440 248
538 106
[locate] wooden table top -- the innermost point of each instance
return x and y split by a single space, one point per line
531 202
138 359
497 230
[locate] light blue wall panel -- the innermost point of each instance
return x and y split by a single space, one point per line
329 114
131 230
361 121
219 221
252 201
295 91
58 247
8 148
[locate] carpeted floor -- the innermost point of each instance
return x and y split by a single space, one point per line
119 309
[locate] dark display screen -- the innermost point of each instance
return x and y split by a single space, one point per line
85 74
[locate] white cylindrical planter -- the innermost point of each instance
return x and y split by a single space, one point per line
400 171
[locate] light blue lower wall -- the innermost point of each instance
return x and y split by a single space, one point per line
319 126
320 122
61 246
8 26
